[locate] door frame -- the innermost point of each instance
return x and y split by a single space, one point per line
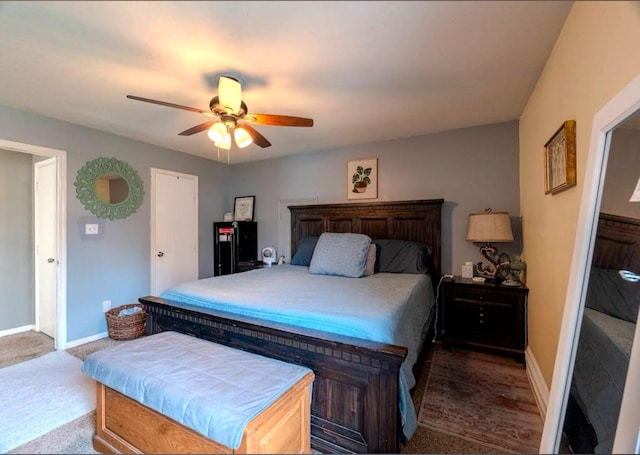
152 220
60 341
614 112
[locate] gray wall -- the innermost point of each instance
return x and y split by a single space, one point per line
623 172
16 244
471 169
117 266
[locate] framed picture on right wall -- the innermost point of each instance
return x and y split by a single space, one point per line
560 159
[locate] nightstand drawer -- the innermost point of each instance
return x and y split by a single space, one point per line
486 322
483 296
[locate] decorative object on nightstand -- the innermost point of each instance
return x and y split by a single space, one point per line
487 227
269 255
517 273
467 270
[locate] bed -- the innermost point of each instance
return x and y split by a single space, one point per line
606 336
356 400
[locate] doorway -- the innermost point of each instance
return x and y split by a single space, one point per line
58 251
174 229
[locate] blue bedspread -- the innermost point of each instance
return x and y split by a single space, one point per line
385 307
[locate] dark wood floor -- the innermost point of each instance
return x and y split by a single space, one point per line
427 440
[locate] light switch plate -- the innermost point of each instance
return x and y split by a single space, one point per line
98 233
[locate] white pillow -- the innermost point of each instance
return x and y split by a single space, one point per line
340 254
370 266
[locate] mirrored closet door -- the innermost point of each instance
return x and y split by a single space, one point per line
595 390
610 304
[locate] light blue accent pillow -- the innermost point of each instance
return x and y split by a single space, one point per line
341 254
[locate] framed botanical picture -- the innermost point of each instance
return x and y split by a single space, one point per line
560 159
243 208
362 178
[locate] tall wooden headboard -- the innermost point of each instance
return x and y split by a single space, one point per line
417 221
617 243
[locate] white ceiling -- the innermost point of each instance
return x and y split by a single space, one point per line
364 71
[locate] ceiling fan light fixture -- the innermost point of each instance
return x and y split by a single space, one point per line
242 137
225 143
218 132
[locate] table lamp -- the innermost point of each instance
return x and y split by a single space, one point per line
487 227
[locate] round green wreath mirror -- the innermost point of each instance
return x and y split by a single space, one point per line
109 188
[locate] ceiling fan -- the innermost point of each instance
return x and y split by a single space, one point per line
231 117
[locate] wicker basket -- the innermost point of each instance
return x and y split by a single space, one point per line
125 327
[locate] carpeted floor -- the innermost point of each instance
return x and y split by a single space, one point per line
75 437
42 394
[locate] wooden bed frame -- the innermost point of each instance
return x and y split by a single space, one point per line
617 243
617 247
355 394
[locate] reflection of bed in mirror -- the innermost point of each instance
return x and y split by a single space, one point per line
356 400
606 337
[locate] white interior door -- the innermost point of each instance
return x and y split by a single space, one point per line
174 229
284 224
46 289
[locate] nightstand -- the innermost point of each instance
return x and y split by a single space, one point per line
484 316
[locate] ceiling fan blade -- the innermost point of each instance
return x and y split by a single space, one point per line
176 106
230 93
258 138
198 128
278 120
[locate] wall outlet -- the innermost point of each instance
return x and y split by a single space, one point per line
106 305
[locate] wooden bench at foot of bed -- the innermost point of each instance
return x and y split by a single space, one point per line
125 426
172 393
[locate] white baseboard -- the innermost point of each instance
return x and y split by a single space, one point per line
99 336
24 328
538 384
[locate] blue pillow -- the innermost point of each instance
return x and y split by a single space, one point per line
340 254
608 293
303 255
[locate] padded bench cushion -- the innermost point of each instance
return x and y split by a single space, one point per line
213 389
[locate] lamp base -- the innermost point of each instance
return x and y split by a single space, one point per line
496 270
488 251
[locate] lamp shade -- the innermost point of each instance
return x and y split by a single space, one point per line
218 132
243 138
489 226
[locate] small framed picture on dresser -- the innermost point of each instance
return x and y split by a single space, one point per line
243 208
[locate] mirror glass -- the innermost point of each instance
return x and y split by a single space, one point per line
111 188
610 305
